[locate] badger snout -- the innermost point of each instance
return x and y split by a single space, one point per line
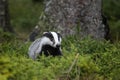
58 45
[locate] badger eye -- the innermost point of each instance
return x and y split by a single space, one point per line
52 39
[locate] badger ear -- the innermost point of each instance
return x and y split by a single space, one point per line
48 34
44 33
59 34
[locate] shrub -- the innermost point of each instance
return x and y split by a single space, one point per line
85 59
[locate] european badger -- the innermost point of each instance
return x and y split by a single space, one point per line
49 44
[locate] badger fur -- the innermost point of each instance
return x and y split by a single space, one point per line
49 44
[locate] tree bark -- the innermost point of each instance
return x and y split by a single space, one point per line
62 15
91 19
70 16
4 16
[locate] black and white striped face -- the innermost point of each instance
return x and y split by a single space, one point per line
54 38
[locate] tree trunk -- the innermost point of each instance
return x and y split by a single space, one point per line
4 16
68 15
62 15
91 20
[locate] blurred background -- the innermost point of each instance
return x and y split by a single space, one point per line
24 15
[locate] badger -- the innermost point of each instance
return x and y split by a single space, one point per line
48 44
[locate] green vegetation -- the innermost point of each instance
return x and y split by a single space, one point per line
83 59
24 14
86 60
111 9
6 36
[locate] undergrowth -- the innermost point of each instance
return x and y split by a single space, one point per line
82 60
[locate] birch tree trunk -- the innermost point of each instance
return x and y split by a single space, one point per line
4 16
67 16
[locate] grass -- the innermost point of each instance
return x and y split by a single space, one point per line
83 59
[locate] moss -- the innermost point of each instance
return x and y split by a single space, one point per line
96 61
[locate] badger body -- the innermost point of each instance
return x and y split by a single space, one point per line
49 50
48 44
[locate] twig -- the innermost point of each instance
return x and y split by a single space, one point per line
73 63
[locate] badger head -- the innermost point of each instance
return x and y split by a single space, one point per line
53 39
50 43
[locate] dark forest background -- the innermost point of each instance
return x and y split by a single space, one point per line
25 15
